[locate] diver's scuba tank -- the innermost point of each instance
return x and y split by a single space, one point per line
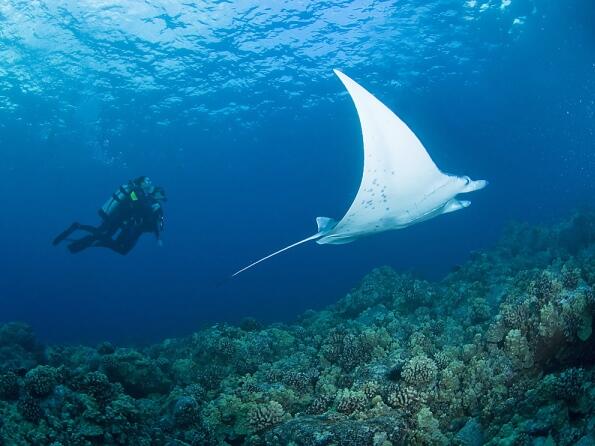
115 203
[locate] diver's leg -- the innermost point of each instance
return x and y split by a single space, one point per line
126 245
96 238
108 241
92 229
82 244
109 226
63 235
126 240
120 245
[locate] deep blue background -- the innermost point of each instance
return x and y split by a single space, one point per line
515 108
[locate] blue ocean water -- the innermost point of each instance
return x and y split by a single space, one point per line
234 109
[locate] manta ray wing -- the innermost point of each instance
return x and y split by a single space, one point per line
398 171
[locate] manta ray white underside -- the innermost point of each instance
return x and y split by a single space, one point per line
401 185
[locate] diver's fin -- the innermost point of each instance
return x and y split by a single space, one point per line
64 235
313 237
325 224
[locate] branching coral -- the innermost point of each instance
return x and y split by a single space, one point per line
428 430
320 404
297 380
371 389
496 332
568 384
30 409
404 398
9 386
518 348
186 411
349 401
377 287
420 371
40 381
264 416
96 385
346 349
137 373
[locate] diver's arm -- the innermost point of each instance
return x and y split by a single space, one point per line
159 224
158 236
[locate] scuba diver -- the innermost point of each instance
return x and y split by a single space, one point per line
133 209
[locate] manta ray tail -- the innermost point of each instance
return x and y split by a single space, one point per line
325 225
313 237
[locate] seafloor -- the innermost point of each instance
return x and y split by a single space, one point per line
499 352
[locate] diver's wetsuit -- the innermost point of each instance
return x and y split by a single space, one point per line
132 211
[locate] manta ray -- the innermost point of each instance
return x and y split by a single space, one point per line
401 186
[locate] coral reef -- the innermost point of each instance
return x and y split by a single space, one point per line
499 352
